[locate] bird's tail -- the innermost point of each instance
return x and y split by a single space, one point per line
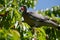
53 23
49 21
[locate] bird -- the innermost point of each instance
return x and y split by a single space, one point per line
36 19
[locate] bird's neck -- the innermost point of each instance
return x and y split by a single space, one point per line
24 13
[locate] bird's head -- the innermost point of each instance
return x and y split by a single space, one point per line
23 9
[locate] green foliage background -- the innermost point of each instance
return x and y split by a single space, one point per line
12 27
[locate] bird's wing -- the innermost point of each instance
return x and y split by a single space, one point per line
38 16
42 18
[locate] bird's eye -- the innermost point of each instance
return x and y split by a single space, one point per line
22 8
